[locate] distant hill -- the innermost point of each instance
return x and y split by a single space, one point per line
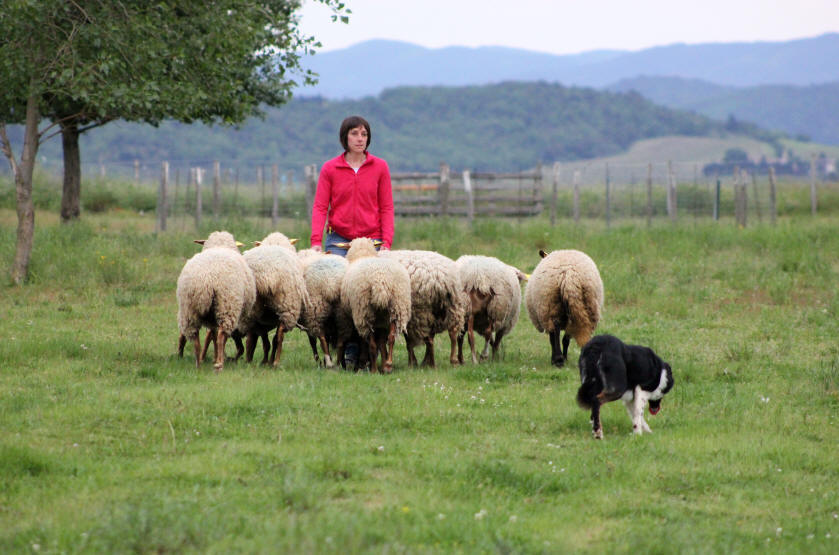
797 110
502 127
369 67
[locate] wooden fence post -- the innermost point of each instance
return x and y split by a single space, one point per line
310 173
740 199
608 199
649 194
275 196
554 192
576 196
136 172
671 192
470 199
717 200
199 204
161 198
756 197
216 189
773 210
813 196
443 190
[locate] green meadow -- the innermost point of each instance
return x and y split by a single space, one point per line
109 443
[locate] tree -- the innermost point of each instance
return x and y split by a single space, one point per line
83 64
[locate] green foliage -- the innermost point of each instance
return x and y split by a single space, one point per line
110 443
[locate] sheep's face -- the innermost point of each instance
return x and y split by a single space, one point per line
361 248
219 239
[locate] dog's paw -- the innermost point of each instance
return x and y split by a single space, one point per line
598 434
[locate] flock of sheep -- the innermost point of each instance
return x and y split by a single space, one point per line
371 297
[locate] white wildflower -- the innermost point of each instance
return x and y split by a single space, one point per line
480 514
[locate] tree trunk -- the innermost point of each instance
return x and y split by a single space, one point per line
23 185
72 191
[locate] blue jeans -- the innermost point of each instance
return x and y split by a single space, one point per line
331 239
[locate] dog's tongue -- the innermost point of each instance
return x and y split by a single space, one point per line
654 410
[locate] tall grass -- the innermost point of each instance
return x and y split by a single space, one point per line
110 443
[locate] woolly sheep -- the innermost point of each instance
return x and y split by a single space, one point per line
437 301
280 293
376 292
565 292
216 289
320 319
494 292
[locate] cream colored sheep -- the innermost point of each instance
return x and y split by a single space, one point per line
565 292
321 316
216 289
494 292
437 301
376 291
280 293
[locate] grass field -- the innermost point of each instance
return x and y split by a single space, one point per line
110 443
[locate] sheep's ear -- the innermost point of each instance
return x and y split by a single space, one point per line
239 244
342 245
522 276
293 241
200 241
542 253
257 243
378 242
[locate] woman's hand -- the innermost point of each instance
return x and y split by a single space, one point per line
316 248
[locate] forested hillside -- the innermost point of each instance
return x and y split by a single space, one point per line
797 110
502 127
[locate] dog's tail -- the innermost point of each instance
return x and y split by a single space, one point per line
587 394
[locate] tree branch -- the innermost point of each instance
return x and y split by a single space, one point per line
6 147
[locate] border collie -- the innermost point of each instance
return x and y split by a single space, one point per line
611 370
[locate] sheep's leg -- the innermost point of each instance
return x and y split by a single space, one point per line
470 329
453 354
278 345
412 358
313 343
487 335
496 344
221 340
556 348
374 353
196 343
460 336
324 345
250 346
596 426
211 337
391 339
428 360
566 340
181 345
240 348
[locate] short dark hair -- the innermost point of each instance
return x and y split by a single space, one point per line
351 123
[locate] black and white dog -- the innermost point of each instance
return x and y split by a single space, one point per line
611 370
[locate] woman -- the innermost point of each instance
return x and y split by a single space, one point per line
353 194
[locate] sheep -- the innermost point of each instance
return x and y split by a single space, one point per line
494 292
376 292
565 292
217 289
280 293
322 274
437 301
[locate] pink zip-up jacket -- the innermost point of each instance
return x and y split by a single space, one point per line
355 204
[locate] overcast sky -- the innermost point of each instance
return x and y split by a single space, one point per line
570 26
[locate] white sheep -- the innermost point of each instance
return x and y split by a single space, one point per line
376 292
321 316
216 289
565 292
280 293
437 301
494 292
